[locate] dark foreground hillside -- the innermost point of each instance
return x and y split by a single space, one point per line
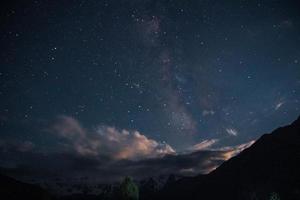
270 167
11 189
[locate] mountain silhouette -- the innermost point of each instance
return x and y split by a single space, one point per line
269 168
11 189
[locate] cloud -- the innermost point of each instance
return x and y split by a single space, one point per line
232 131
106 154
17 146
101 169
107 141
123 152
279 104
227 151
232 151
205 144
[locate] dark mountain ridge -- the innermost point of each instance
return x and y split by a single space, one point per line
15 190
270 166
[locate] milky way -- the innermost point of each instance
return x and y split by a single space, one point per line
167 77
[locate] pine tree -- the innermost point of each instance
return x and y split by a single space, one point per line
274 196
129 190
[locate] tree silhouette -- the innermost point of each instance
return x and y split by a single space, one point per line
274 196
129 190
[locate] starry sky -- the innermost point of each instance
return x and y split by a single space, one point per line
132 80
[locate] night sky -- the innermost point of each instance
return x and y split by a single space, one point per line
128 81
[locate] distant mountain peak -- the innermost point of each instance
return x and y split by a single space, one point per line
270 165
296 122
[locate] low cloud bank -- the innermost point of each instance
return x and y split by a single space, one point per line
108 141
106 154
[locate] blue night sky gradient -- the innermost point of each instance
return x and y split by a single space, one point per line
178 72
